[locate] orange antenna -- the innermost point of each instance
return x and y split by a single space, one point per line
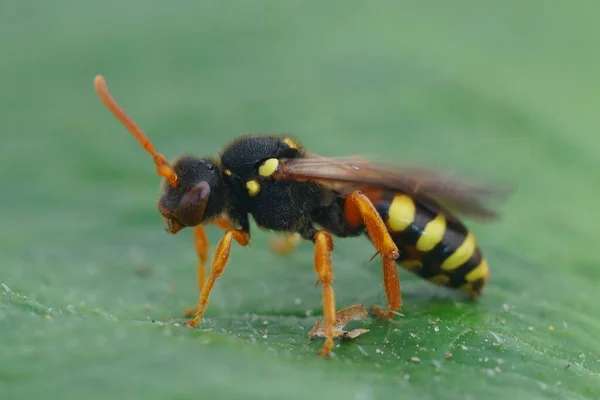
163 168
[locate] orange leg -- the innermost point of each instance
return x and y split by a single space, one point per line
285 245
359 210
223 222
392 290
202 247
218 265
323 248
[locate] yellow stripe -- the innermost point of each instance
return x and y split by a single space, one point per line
440 279
401 213
412 265
480 272
462 254
467 288
432 234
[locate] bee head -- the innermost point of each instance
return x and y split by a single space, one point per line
193 189
198 195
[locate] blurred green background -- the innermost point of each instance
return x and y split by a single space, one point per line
506 90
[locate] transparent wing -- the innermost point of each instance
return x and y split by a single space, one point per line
431 188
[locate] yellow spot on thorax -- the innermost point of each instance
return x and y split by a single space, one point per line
290 143
401 213
432 234
253 187
481 271
268 167
228 172
461 255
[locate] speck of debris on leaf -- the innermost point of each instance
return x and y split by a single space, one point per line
416 360
342 318
362 351
499 340
448 355
506 307
142 271
352 334
530 328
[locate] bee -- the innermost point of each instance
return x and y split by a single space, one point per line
410 215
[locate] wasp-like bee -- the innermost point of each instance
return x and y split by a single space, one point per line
408 214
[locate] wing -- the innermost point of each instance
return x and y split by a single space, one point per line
430 188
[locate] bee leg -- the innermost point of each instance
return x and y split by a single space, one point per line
202 246
223 222
391 283
359 209
218 265
285 245
323 247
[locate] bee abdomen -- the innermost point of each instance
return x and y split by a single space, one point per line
433 246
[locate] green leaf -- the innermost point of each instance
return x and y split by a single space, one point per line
93 289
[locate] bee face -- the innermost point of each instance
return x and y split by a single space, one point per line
198 196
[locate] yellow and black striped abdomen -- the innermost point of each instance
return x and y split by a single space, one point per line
439 249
